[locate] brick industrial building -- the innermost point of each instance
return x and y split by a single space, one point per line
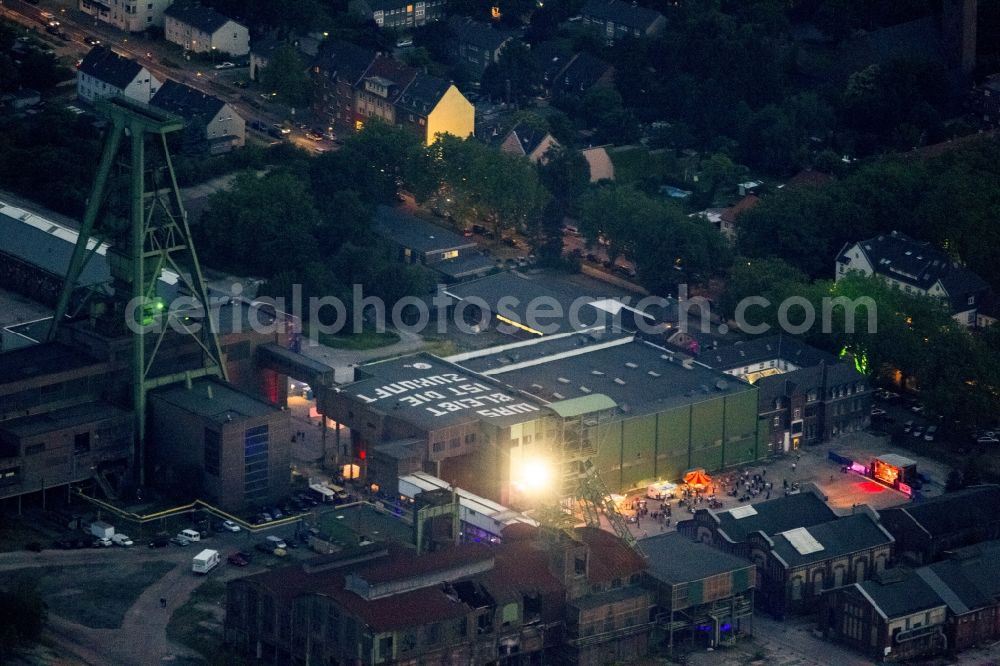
539 597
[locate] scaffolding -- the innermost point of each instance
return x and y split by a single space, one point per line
135 207
581 483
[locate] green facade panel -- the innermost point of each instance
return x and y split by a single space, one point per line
609 454
707 423
638 450
710 459
672 426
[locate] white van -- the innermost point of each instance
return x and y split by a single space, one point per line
205 561
661 490
190 535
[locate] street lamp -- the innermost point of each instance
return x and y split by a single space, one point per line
213 56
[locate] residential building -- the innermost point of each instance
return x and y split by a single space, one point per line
203 30
219 444
925 530
951 605
536 595
600 164
806 395
918 269
127 15
416 241
261 52
337 74
478 44
581 73
212 126
813 405
799 546
617 19
400 14
354 85
430 106
728 217
103 73
528 142
703 596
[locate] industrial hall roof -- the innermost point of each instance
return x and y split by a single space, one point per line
431 393
674 559
410 231
803 509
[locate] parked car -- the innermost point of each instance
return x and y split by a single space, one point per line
276 541
91 41
877 411
159 542
180 541
225 65
230 526
265 547
931 433
984 439
918 432
237 560
281 128
908 426
258 125
314 136
918 408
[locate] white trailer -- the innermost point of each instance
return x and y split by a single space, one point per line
205 561
102 530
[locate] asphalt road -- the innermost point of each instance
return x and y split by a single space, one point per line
152 54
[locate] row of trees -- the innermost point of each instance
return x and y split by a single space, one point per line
909 336
951 201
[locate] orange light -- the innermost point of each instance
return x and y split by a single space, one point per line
495 12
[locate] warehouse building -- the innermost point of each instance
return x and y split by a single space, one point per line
703 597
638 411
217 443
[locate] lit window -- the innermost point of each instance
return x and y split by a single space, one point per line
450 254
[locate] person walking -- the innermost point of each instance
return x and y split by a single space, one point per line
163 602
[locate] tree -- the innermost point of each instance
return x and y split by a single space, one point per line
720 171
287 75
484 183
566 175
261 225
514 76
23 615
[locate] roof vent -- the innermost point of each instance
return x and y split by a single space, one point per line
597 372
721 385
537 387
563 380
653 373
632 365
558 396
619 381
584 389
